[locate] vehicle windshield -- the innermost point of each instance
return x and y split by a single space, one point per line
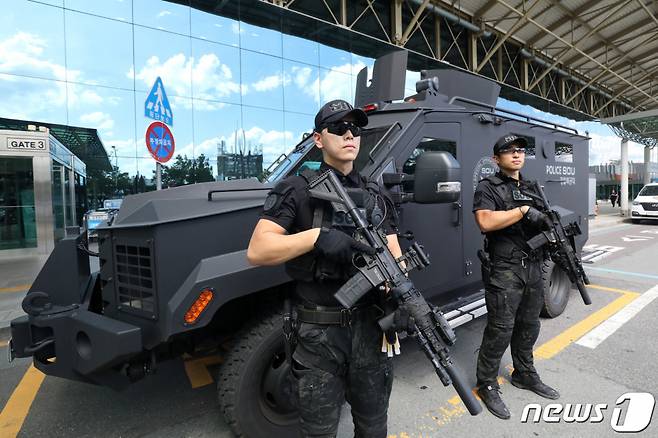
648 191
307 156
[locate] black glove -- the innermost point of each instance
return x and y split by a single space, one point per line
403 321
537 218
340 247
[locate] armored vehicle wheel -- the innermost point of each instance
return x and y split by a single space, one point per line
255 387
556 289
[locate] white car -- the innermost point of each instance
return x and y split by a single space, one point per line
645 205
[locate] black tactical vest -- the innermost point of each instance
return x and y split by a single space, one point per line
516 235
311 267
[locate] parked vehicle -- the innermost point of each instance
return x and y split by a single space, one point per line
645 204
94 218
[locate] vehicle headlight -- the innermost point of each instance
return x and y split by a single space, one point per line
636 203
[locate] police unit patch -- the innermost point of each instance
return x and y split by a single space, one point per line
271 201
519 196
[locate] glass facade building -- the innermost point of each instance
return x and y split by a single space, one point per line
92 64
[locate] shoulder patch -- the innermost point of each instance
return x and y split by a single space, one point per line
271 200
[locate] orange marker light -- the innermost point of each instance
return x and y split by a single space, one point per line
195 310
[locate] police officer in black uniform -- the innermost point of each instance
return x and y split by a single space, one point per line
506 212
338 355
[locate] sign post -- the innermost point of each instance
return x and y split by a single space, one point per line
161 145
159 138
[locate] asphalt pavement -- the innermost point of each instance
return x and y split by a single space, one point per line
592 354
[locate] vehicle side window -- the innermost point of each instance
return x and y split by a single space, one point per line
427 144
563 152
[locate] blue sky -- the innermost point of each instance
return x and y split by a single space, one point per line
224 79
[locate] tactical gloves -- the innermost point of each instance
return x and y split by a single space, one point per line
340 247
537 218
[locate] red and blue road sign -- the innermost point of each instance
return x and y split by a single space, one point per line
160 142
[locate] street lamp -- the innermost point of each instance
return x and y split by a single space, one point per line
116 169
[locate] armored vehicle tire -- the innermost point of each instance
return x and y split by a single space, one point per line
255 384
556 289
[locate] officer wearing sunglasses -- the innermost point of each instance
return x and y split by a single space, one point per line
505 209
338 355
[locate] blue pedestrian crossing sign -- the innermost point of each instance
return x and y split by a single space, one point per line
157 105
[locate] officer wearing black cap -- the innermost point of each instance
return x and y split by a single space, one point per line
338 355
506 212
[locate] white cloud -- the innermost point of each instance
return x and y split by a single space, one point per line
98 120
212 79
606 148
25 52
270 82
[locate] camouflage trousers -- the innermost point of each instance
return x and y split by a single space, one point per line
335 364
514 297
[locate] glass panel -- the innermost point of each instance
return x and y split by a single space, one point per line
163 15
335 59
110 111
217 134
32 41
58 193
215 28
115 9
81 205
40 100
261 80
17 213
263 130
335 84
163 54
260 39
300 49
91 58
297 127
301 87
215 72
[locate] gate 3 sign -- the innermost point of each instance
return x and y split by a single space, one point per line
160 142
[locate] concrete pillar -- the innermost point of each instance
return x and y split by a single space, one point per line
623 195
647 165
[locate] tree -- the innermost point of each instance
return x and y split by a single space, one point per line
187 171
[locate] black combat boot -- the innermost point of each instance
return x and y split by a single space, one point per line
533 383
490 395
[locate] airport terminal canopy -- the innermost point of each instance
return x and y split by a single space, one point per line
640 127
82 142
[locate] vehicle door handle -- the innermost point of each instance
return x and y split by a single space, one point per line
457 206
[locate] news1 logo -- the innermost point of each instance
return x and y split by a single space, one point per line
638 412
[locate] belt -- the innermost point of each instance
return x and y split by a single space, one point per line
333 315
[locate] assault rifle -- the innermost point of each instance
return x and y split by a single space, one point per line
561 245
430 327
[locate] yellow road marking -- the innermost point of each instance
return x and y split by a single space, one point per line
14 413
19 288
197 370
454 407
578 330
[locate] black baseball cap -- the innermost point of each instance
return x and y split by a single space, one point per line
508 140
338 110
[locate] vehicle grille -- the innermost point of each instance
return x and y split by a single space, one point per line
650 206
134 279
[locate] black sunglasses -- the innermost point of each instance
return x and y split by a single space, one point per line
340 128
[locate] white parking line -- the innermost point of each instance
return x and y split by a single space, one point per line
611 325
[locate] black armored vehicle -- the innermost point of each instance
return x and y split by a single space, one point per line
173 276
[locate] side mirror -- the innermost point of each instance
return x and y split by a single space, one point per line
437 178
